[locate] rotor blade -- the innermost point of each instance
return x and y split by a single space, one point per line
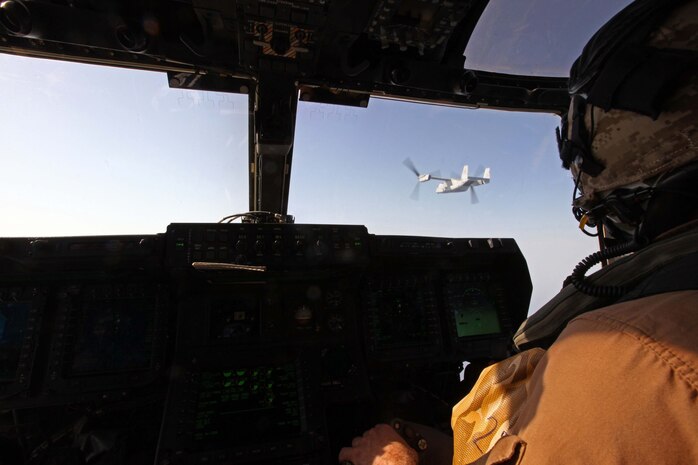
415 192
473 196
410 166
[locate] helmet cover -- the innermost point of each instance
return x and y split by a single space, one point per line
634 147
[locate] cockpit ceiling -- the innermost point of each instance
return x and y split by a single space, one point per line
337 51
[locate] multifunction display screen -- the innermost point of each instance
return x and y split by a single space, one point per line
477 314
473 301
13 327
111 335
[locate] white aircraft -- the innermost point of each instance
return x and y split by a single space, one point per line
450 185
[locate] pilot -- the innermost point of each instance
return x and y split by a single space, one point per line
607 371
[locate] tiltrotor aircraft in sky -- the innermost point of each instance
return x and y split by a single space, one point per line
450 185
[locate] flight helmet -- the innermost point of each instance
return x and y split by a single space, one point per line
631 131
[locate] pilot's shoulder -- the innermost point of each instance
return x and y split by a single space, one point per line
618 386
663 327
669 316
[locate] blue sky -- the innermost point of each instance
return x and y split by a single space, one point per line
93 150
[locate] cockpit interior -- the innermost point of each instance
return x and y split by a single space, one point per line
260 339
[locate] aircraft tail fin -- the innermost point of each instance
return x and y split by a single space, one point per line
464 175
487 174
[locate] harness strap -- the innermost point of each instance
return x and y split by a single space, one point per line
680 275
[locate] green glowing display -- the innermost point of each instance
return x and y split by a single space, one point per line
477 315
247 404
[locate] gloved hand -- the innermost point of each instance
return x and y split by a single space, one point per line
381 445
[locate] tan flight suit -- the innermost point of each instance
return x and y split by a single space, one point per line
619 386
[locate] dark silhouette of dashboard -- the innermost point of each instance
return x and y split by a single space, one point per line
241 343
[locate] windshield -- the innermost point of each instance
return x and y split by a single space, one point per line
536 37
96 150
99 150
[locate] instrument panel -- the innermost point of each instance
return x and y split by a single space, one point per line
236 408
249 342
20 323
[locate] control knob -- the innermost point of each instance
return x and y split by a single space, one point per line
303 316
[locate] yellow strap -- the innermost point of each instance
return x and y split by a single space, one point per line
583 222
